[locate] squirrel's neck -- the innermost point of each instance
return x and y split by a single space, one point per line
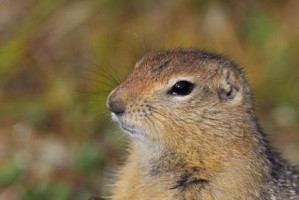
236 167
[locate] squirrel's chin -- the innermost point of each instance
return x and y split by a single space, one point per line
133 130
130 129
127 129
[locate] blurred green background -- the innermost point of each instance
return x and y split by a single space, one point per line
58 59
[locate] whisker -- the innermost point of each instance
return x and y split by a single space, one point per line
117 77
159 120
96 92
154 126
154 110
108 74
159 113
150 123
109 78
99 81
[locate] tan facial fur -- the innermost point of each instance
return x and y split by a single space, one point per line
150 112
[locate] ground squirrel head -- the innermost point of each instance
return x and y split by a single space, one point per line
179 94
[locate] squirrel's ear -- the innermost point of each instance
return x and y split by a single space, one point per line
229 86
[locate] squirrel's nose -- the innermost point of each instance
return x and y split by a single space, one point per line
116 107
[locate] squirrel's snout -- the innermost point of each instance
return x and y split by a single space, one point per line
115 106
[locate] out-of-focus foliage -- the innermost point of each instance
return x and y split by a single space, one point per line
59 59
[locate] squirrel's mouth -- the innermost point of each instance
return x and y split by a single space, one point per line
129 129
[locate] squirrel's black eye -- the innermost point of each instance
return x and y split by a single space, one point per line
181 88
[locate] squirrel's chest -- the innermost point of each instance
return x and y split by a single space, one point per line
156 184
157 188
163 178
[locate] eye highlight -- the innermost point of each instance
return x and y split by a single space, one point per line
181 88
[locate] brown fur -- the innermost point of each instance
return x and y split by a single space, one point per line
200 146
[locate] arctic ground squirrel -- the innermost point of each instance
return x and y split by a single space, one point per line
194 134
